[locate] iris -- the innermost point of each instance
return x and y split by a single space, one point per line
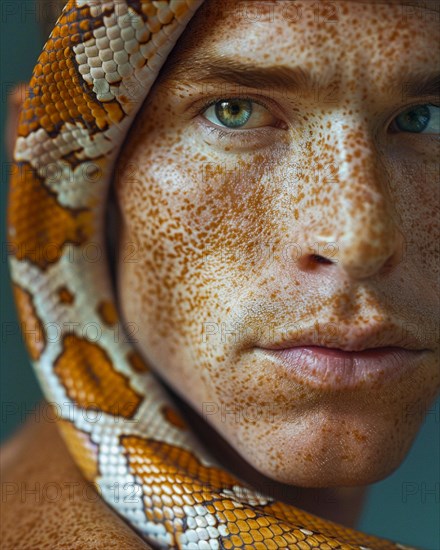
419 119
233 112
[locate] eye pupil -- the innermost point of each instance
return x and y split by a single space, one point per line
414 120
233 112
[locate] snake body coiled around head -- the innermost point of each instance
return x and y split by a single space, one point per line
120 425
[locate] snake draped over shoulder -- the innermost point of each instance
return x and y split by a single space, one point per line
121 426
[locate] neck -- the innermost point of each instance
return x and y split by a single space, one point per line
341 504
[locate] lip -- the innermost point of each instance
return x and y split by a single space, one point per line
336 369
338 335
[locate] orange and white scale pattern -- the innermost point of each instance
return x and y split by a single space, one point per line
122 429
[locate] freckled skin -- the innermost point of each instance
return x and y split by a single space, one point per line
216 224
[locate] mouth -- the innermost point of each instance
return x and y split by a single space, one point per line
336 369
369 359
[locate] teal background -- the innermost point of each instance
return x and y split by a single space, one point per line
405 506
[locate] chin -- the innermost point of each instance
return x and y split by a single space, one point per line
326 473
324 455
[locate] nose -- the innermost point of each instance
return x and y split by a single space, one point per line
357 230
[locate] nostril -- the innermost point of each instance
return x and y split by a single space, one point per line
312 262
320 259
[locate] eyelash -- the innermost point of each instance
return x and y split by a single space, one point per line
392 124
234 134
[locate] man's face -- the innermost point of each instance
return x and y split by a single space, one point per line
302 208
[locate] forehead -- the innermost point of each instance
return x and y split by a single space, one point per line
303 13
319 35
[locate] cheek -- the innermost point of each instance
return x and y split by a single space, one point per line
413 179
191 233
186 221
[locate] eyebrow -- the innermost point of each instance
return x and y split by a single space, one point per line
207 68
204 68
421 84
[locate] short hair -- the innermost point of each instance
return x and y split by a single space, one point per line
48 12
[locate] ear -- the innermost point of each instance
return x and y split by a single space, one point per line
15 103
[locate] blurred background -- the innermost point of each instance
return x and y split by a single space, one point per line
404 507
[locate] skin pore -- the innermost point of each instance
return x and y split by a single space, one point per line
319 215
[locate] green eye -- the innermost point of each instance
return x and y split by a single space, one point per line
420 119
233 113
238 113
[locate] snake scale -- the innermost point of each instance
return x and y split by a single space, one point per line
120 425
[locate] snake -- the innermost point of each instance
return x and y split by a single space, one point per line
124 431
